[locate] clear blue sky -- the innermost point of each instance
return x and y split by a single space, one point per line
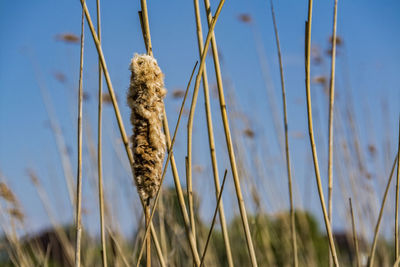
30 55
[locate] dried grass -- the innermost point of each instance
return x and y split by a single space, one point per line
145 98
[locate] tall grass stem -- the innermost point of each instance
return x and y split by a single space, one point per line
311 134
228 139
99 148
79 149
331 106
287 150
121 127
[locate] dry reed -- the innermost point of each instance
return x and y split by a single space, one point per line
396 224
331 103
79 163
99 148
287 150
211 139
177 184
378 223
228 137
117 112
355 237
145 98
311 134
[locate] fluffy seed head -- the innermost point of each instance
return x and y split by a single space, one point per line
145 98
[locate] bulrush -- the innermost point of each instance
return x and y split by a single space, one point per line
145 98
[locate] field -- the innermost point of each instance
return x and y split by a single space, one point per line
215 133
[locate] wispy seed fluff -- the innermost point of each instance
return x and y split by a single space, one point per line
145 98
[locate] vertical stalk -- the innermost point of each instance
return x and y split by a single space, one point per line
148 239
146 27
378 223
228 139
219 199
194 99
146 33
355 237
211 138
331 103
285 121
396 225
161 221
99 149
79 167
311 133
147 38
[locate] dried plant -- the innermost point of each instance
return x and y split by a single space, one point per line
178 93
7 194
17 214
68 38
145 98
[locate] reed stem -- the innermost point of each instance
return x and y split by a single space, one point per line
228 140
355 237
99 148
148 239
79 163
378 223
396 225
311 134
219 199
211 141
331 106
285 121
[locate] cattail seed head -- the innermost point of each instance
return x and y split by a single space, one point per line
145 98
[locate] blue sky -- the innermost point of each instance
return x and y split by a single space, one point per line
31 55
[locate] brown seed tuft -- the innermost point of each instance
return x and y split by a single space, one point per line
106 98
68 38
145 98
246 18
339 40
32 175
178 93
316 54
59 76
372 150
249 133
320 80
